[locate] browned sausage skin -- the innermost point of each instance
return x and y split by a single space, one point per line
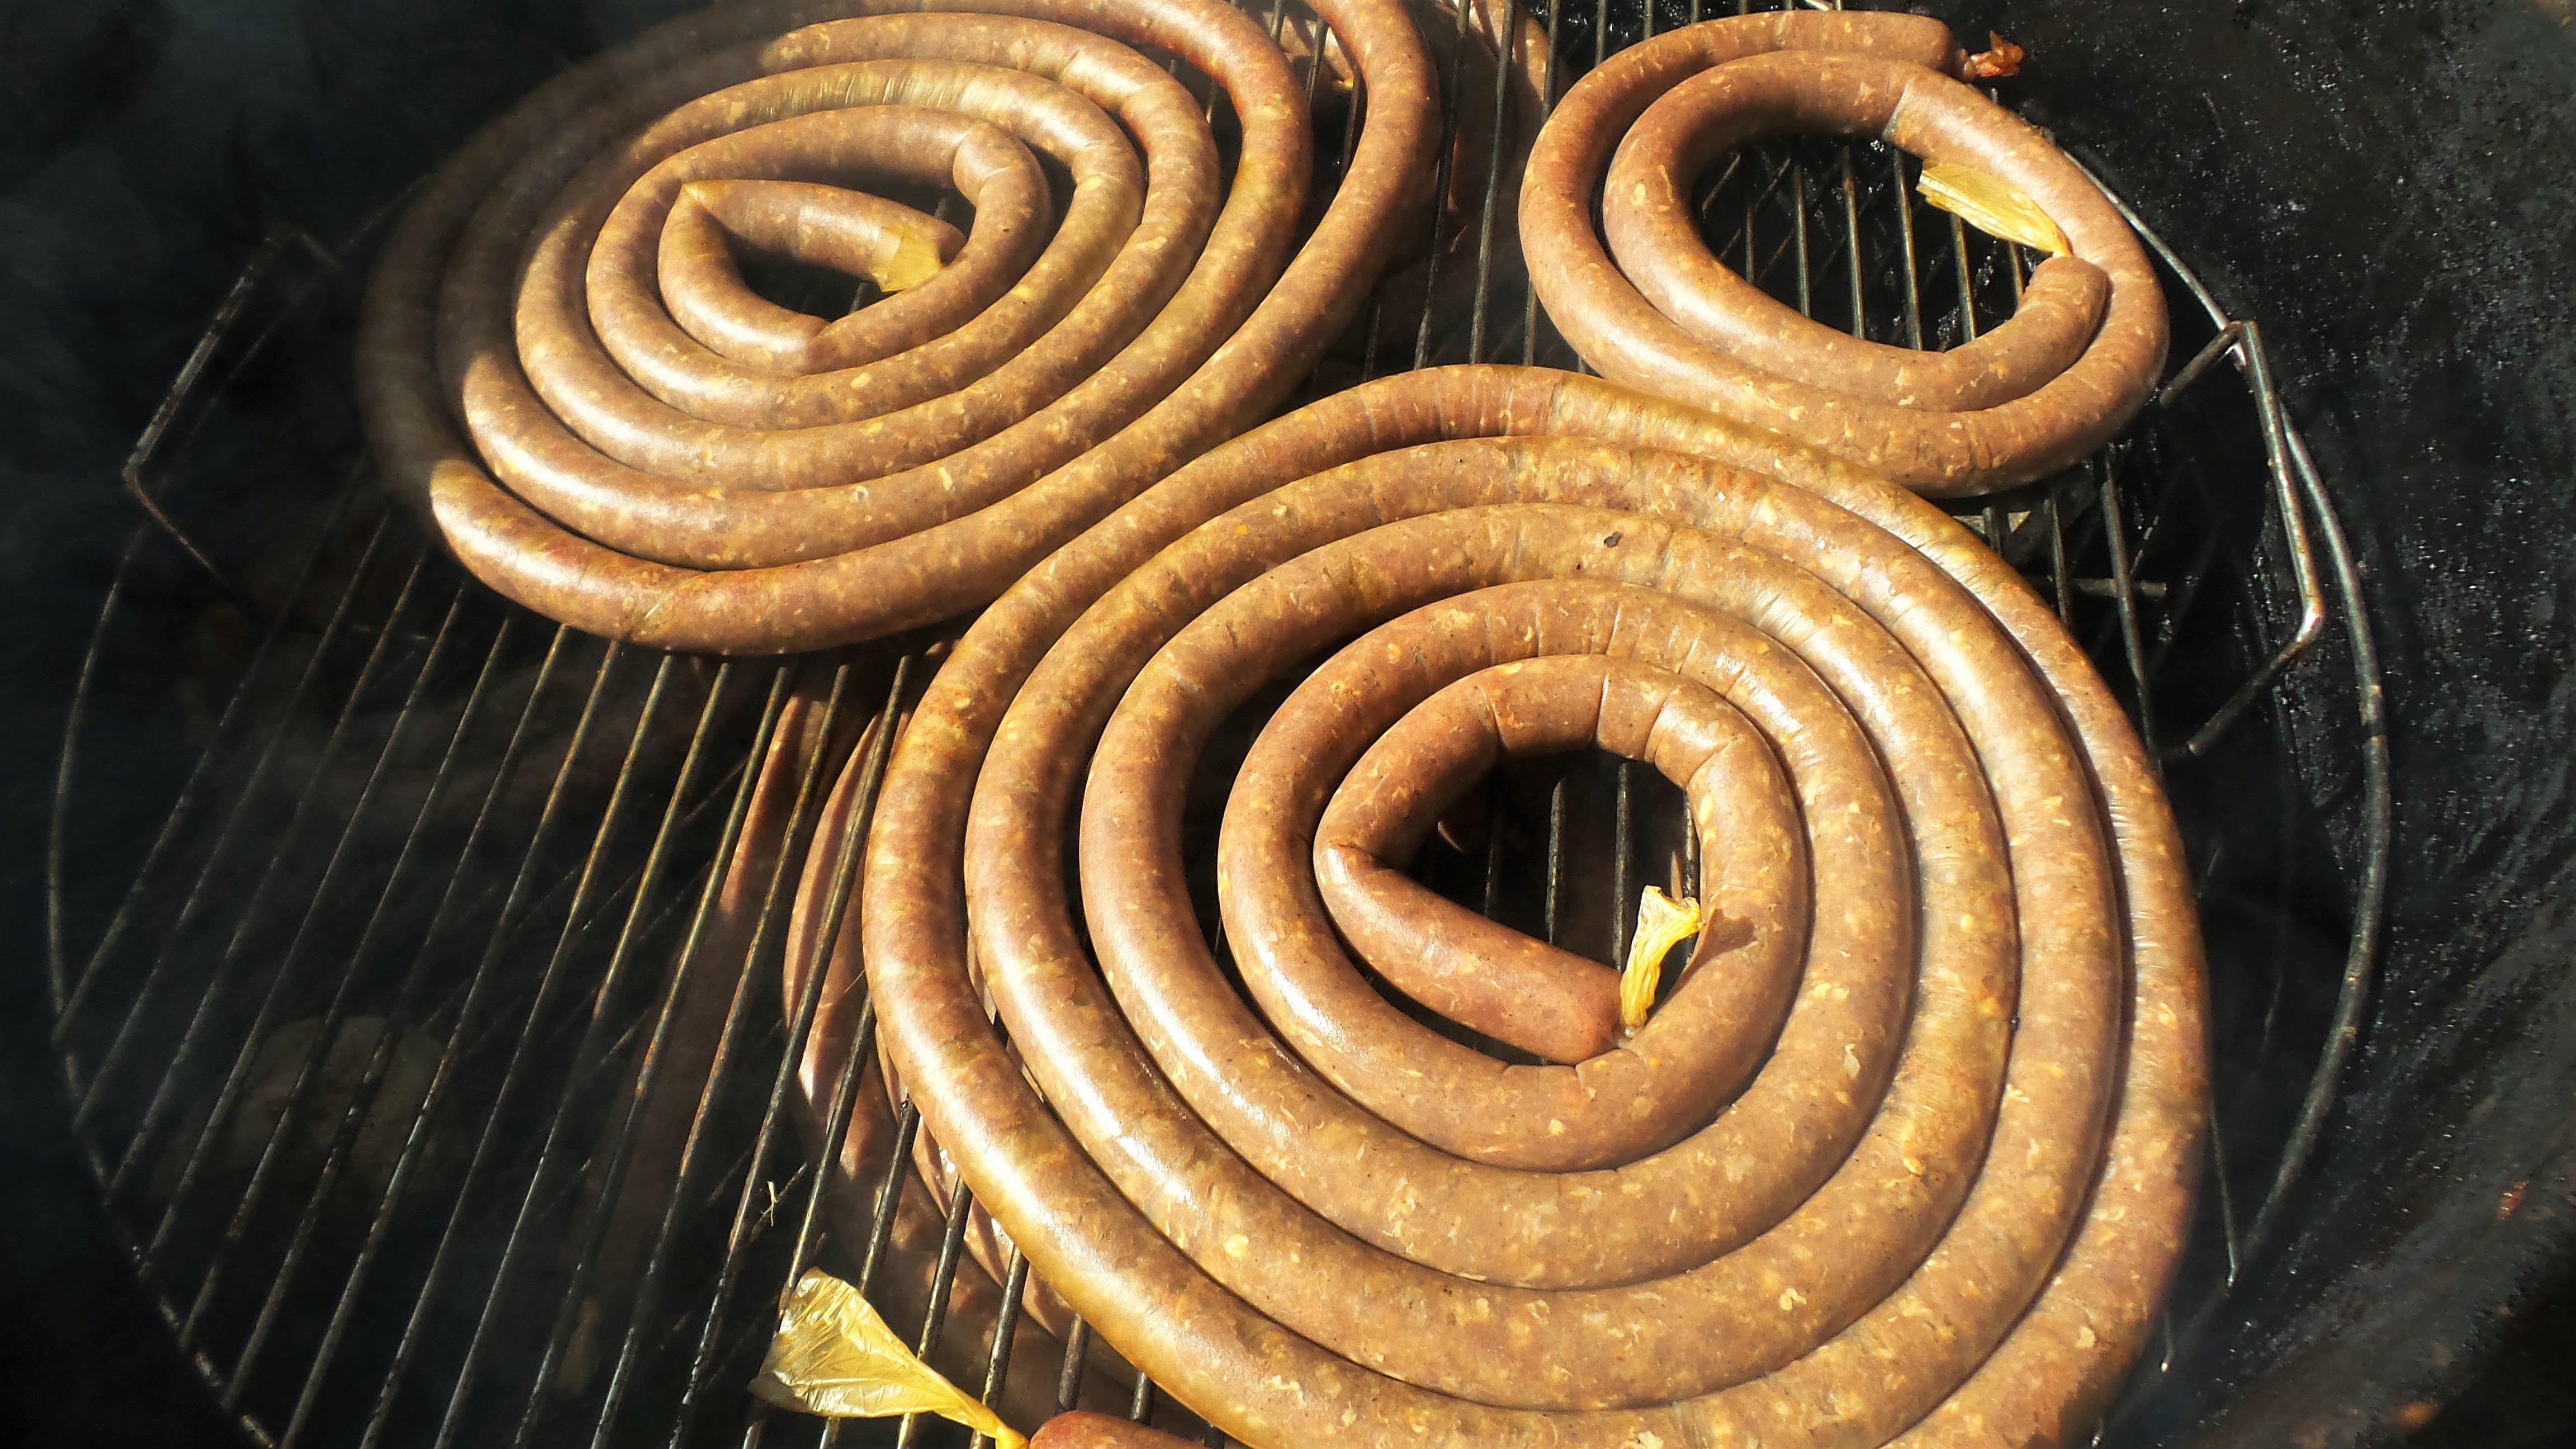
1494 980
1498 73
1646 219
801 760
1655 310
1468 578
1982 1255
856 233
1081 1430
867 1145
770 486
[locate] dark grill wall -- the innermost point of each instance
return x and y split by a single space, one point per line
2390 189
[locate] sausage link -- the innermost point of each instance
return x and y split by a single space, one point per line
905 1279
1581 1346
1462 241
851 231
563 372
1081 1430
1945 1202
1480 974
1646 216
1656 310
866 1148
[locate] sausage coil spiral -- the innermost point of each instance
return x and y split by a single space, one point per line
1654 309
564 372
1907 1155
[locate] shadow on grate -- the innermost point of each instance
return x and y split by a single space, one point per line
432 1108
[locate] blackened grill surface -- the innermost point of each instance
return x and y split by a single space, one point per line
360 667
2388 186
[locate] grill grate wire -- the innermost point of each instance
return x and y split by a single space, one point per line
444 875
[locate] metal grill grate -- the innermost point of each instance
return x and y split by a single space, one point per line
380 910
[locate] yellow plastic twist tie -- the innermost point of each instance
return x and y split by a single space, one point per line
1991 206
1662 924
914 260
835 1357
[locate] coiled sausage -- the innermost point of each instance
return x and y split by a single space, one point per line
1937 1207
681 463
1656 310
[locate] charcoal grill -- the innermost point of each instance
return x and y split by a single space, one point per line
374 902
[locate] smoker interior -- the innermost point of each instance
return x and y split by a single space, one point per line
370 897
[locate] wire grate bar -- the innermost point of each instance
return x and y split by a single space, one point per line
907 1126
164 1097
797 1032
199 892
1015 1284
631 1345
362 1096
309 1073
560 1335
2115 537
514 1073
951 1244
1451 105
1547 97
589 1051
1493 189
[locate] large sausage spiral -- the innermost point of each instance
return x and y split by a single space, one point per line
684 463
1907 1155
1656 310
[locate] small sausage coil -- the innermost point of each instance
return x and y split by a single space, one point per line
1906 1156
564 371
1656 310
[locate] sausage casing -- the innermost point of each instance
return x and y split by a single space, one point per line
1948 1198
